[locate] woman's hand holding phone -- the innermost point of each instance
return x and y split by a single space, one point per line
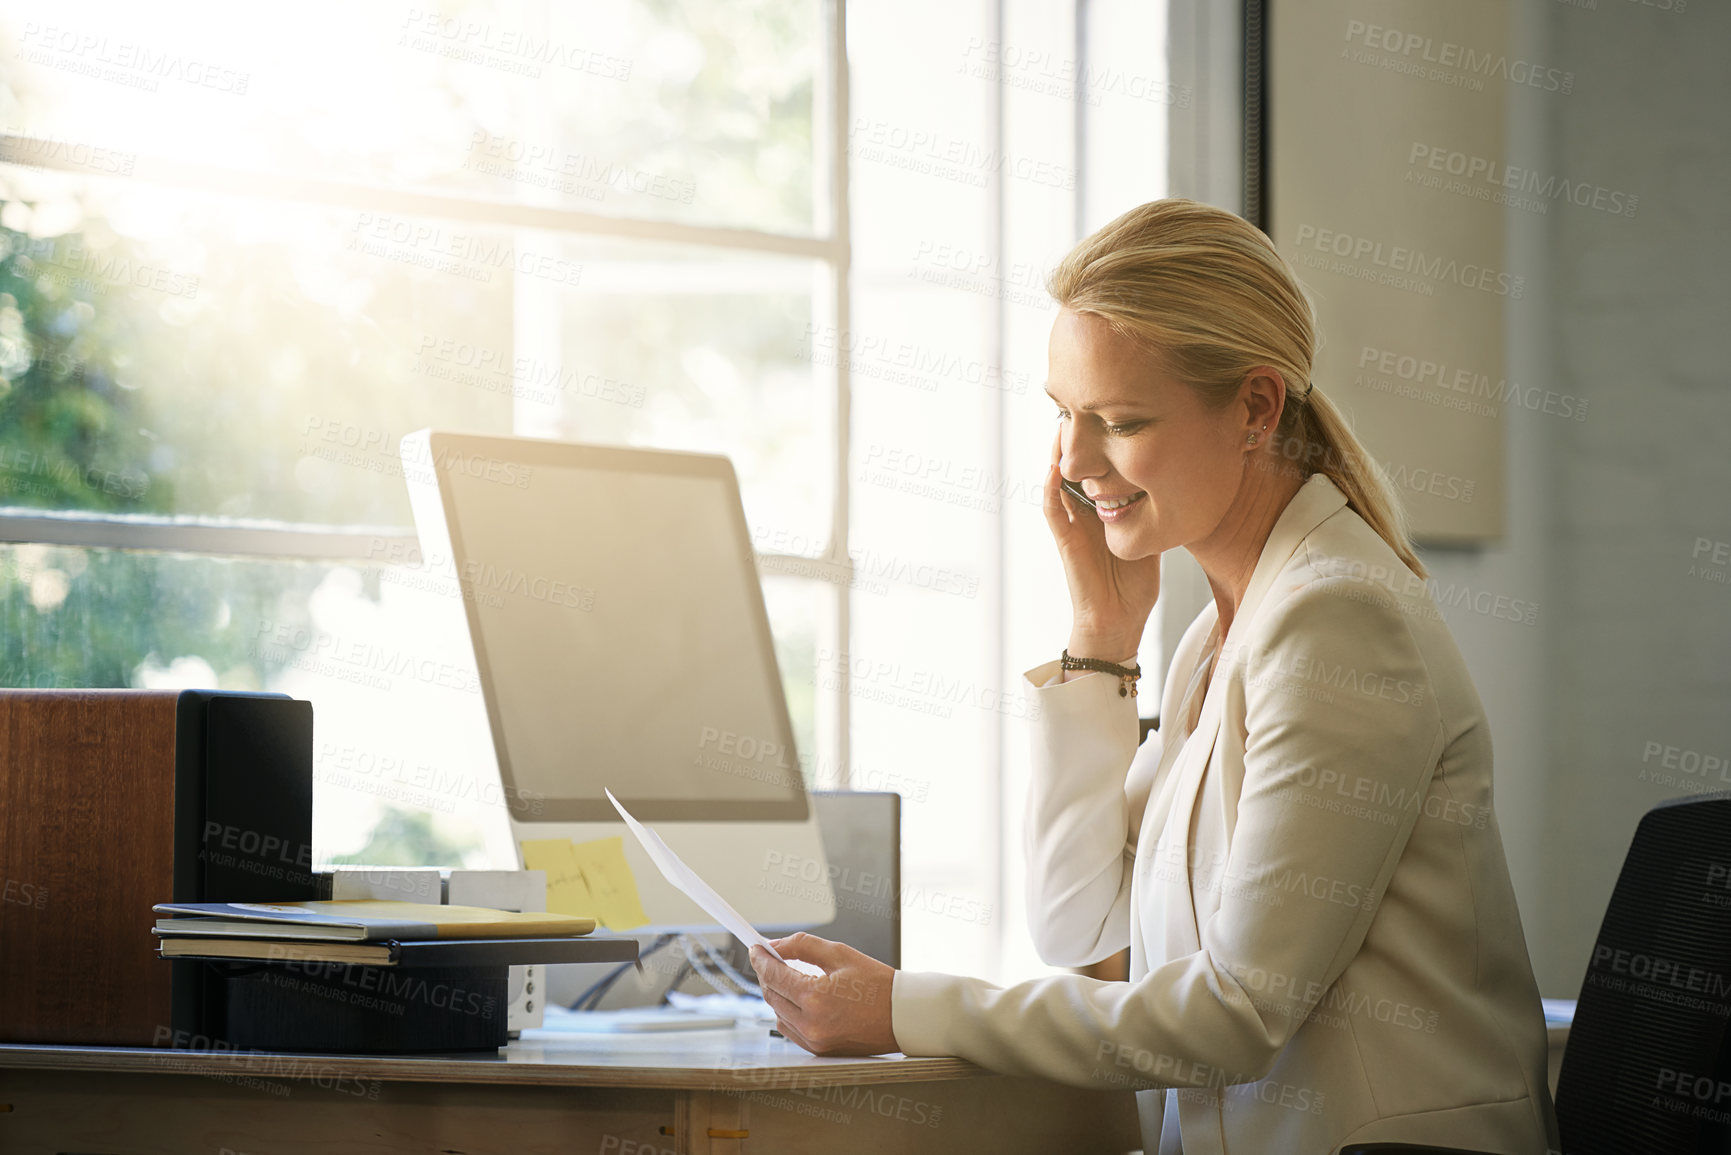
1111 598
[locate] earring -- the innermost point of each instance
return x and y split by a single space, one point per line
1253 439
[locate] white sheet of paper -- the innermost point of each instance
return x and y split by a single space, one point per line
688 883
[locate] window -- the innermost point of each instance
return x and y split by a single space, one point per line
241 256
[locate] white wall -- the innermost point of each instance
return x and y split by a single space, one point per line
1630 648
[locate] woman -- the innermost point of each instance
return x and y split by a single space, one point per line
1324 943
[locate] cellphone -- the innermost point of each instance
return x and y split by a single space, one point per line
1075 491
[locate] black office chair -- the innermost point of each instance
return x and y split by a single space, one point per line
1646 1068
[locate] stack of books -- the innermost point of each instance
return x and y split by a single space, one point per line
369 932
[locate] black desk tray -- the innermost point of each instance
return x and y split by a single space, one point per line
437 997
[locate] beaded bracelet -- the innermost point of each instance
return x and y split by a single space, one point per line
1127 675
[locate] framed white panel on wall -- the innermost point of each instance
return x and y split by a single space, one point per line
1388 186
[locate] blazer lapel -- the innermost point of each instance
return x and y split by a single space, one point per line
1183 933
1316 500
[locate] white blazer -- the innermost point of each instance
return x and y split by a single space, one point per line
1304 863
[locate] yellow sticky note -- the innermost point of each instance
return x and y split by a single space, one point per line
611 885
567 892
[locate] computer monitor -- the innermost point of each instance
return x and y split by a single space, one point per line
622 643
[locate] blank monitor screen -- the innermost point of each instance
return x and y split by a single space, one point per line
620 631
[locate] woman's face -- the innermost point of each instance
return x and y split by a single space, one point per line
1129 430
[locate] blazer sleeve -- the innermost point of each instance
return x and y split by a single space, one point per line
1332 685
1077 835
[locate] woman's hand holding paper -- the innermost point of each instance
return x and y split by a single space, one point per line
845 1011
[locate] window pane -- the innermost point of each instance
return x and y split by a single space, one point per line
694 112
181 353
795 610
273 356
927 496
688 349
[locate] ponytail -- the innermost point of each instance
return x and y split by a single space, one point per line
1321 429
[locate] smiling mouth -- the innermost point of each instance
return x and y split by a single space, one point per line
1117 502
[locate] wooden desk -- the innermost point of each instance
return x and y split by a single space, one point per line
738 1092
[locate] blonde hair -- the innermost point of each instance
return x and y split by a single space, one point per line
1206 292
